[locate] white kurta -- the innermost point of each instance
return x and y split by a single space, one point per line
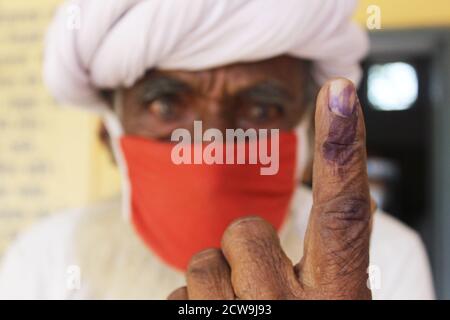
95 248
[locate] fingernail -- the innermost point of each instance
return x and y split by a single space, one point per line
341 97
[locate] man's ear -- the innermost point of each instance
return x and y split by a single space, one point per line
105 139
108 97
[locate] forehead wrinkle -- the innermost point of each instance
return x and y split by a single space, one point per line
226 81
213 83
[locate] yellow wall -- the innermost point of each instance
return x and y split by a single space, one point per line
408 13
49 156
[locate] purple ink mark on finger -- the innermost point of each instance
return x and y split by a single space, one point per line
339 145
342 98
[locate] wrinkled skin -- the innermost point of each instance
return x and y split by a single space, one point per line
251 263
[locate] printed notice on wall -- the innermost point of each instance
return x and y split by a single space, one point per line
45 149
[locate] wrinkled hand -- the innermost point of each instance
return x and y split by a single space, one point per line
251 263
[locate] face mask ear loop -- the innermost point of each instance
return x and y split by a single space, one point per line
303 145
112 122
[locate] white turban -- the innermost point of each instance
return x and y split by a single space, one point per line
106 44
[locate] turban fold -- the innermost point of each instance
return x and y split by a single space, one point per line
114 42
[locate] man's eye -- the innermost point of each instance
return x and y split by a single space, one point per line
165 108
262 113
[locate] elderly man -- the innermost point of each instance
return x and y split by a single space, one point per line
220 230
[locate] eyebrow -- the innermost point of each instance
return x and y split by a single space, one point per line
158 86
270 92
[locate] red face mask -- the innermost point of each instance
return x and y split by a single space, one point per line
179 210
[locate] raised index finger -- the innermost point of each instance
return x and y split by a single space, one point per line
337 242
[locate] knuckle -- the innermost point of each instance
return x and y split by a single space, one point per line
247 229
345 225
249 239
178 294
345 233
344 213
202 260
